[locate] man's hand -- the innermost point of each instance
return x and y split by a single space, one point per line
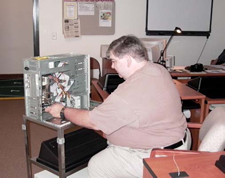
77 116
54 110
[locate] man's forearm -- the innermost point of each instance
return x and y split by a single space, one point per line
79 117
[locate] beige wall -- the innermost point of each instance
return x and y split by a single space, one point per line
16 34
130 19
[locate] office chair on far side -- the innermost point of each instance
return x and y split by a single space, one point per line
212 131
94 64
211 135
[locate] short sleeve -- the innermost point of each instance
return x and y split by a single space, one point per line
113 114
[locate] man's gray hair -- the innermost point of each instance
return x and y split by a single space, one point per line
128 45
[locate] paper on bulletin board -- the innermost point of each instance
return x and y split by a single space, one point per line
105 18
70 10
104 5
71 28
86 8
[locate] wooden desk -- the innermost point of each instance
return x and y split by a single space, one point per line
209 101
97 94
106 68
187 93
195 165
181 72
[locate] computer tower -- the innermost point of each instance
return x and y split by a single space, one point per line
63 78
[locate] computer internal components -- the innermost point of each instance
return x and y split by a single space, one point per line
63 78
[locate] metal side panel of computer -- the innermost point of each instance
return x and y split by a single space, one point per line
63 78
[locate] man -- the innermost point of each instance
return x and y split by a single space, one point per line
143 113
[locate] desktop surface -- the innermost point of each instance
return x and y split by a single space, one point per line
195 165
209 70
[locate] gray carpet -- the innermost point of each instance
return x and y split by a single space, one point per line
12 149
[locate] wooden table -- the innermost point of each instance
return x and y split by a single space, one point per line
209 101
180 71
195 165
187 93
97 94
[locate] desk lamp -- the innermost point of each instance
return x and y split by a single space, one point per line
161 60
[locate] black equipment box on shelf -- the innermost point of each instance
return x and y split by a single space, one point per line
80 146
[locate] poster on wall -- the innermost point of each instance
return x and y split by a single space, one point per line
70 10
86 8
71 23
71 28
105 18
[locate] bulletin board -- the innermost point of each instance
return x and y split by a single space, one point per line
88 17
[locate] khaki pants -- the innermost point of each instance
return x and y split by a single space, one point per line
122 162
118 162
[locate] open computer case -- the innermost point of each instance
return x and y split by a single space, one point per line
62 78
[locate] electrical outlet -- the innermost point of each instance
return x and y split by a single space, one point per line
54 35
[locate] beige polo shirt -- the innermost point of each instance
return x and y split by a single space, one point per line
143 112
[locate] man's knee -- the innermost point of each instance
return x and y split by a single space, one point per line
92 164
94 167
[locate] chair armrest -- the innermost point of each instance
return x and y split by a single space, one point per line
192 125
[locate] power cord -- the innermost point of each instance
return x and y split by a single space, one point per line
178 169
203 49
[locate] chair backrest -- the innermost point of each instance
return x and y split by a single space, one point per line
94 64
213 61
212 131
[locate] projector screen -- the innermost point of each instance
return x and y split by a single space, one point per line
194 17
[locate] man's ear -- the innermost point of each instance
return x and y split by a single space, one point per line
129 61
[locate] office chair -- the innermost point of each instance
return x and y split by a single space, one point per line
211 135
220 60
212 131
213 61
94 64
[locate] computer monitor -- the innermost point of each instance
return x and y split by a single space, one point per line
154 47
153 52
